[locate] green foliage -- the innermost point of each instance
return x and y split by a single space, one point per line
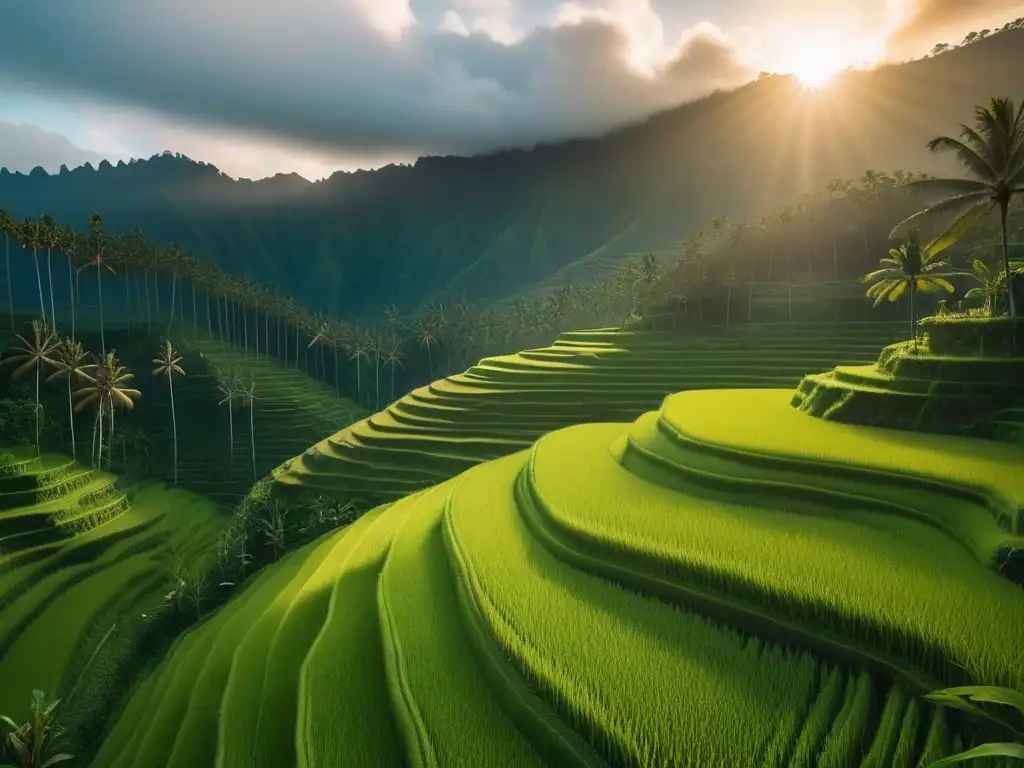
966 698
36 743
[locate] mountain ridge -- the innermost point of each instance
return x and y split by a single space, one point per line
493 225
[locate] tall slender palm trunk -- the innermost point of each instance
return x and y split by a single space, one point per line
1011 303
39 282
99 288
252 440
71 419
38 366
174 426
913 313
231 432
49 282
10 289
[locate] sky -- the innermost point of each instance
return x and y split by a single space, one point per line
259 87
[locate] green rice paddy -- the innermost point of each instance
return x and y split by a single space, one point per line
502 404
721 581
292 412
78 552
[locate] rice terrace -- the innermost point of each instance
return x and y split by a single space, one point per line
576 454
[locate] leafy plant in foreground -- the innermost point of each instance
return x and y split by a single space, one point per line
35 743
961 698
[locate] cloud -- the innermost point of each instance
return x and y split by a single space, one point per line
23 147
364 76
925 22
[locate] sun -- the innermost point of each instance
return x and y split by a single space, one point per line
815 61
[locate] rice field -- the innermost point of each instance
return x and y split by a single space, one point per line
59 581
519 614
293 411
503 403
886 583
711 578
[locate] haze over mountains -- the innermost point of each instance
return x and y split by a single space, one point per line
490 226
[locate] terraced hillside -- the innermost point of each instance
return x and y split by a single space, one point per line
503 404
725 581
78 554
292 412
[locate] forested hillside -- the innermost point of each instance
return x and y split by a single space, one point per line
493 226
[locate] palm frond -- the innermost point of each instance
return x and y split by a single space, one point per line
883 274
956 204
974 162
934 283
956 230
946 186
898 290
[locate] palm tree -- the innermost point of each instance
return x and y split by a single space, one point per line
52 238
167 364
8 227
70 360
69 244
393 357
34 353
32 236
228 385
359 349
993 154
248 395
105 389
98 260
425 333
908 267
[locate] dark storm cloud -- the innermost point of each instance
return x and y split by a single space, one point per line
317 73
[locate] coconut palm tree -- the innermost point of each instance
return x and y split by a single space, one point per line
393 356
33 233
105 389
228 385
993 154
247 392
360 347
52 238
9 227
167 364
908 267
34 353
69 243
424 331
99 259
70 359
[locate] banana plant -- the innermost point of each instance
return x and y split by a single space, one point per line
962 698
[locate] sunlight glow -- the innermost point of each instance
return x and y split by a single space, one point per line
816 56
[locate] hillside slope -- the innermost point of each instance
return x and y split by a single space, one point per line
83 556
502 404
507 616
489 226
